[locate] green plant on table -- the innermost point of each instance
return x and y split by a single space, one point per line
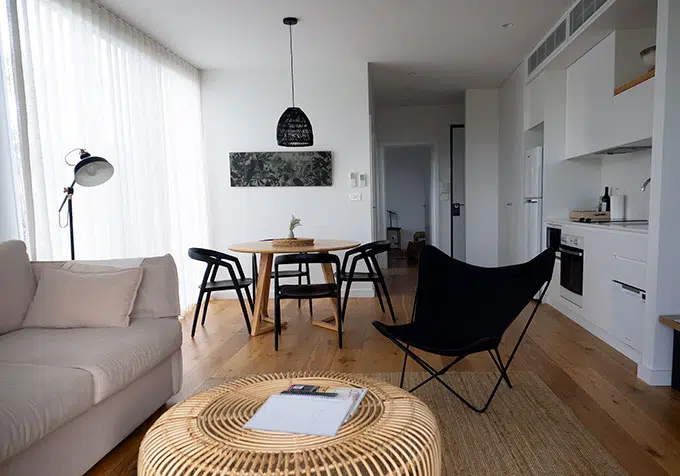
294 223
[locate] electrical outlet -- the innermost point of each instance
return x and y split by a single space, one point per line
355 197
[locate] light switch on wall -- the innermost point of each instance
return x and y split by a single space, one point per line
355 197
363 180
353 179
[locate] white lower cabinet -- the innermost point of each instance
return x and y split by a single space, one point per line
629 309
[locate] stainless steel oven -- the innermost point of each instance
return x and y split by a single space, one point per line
571 270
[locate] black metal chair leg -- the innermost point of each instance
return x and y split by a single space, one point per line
244 309
403 369
339 311
378 295
499 366
251 302
196 312
309 281
348 286
300 283
387 298
205 306
277 322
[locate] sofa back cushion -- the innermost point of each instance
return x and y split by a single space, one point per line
65 299
158 294
17 285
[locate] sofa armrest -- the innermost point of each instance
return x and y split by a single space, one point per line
158 293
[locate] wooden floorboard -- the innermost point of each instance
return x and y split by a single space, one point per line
639 425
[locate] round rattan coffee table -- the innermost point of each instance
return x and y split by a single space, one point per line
392 433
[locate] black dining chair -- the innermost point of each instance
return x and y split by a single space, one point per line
305 291
302 271
461 309
368 254
214 261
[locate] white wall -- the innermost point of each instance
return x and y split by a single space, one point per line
241 108
481 176
624 175
511 153
425 125
663 263
407 187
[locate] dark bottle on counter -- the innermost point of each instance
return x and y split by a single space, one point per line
606 201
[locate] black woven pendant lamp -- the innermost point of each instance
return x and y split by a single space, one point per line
294 128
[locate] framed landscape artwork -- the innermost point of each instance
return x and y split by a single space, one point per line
281 169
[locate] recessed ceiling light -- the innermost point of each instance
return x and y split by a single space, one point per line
508 25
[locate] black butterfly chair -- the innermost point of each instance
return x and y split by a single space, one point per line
461 309
216 260
305 291
366 253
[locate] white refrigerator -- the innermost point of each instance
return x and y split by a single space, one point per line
533 201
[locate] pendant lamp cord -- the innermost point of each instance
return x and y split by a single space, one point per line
292 75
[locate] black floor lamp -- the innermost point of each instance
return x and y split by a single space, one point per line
90 171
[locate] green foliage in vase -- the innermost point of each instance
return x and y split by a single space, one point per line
294 223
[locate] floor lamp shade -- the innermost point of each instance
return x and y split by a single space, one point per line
92 171
294 129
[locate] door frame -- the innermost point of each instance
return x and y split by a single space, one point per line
434 188
451 170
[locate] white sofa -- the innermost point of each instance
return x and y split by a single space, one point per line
69 396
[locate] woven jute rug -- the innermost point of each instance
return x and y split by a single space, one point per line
526 431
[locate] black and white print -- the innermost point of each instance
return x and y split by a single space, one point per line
281 169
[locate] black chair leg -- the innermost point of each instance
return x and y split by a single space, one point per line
250 299
403 369
348 286
205 306
244 309
378 294
309 281
300 283
277 322
339 311
387 298
500 366
197 312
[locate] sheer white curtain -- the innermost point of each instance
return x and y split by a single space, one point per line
91 80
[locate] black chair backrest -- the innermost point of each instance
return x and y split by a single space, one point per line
451 294
307 258
207 256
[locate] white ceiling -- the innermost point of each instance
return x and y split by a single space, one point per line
450 45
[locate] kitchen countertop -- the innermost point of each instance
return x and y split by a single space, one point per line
639 228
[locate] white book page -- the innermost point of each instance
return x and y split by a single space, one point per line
305 415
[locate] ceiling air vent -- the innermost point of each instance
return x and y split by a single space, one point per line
548 47
582 12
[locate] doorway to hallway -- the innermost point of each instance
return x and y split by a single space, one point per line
408 201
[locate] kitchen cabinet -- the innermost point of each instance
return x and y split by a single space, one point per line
590 94
596 119
534 102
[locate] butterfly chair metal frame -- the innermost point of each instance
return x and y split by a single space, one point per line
539 271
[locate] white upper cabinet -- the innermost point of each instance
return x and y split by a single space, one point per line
590 95
596 118
534 102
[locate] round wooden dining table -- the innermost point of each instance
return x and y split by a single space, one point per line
260 320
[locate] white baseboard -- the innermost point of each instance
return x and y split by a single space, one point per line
655 378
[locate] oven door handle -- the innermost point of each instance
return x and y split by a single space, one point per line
572 253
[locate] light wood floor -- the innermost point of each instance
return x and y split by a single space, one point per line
637 424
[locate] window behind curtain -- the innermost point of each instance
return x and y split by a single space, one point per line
93 81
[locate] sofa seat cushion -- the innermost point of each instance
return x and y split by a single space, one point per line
115 357
36 400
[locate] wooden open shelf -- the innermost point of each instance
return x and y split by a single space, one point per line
635 82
